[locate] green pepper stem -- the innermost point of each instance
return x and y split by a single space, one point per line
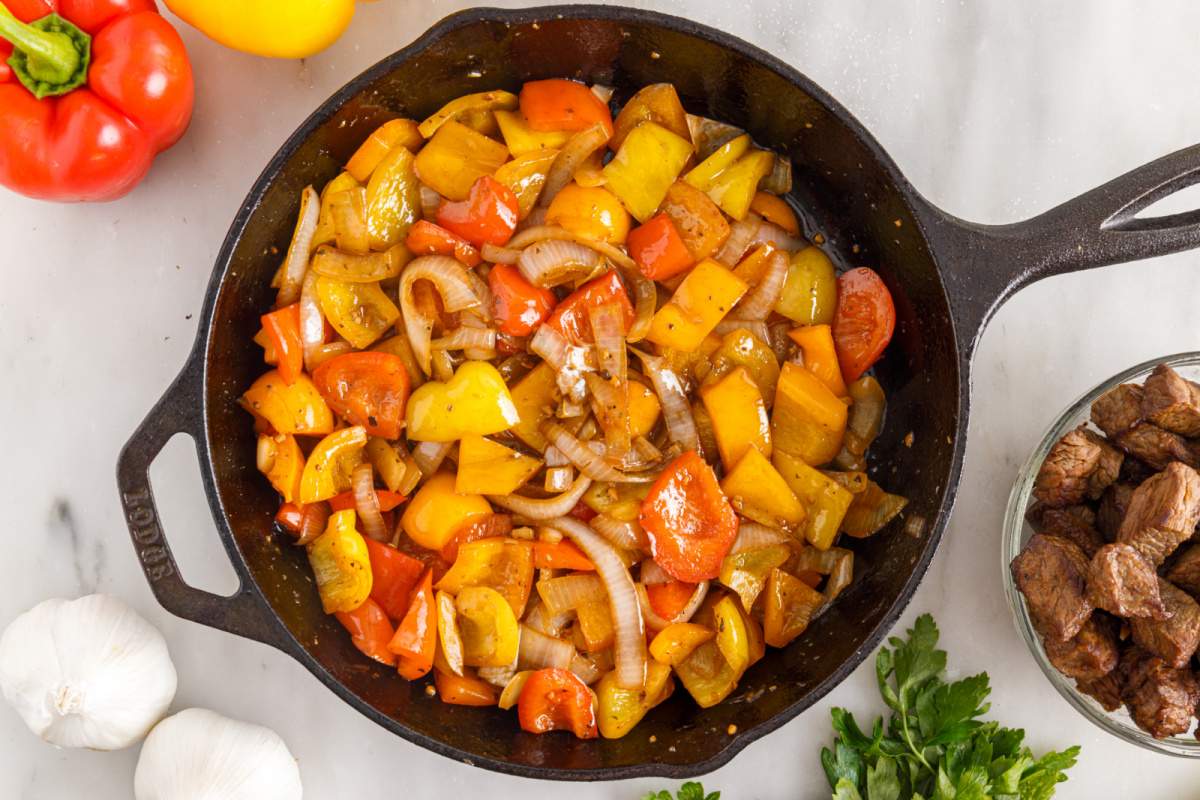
52 53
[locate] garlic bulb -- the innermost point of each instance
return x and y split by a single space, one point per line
200 754
86 673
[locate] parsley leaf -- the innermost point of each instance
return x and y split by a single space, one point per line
689 791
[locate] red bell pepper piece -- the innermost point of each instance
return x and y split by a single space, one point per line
557 700
489 215
368 389
283 329
393 577
561 555
290 516
426 239
387 500
561 105
864 321
518 304
570 317
658 249
370 630
416 636
688 519
78 126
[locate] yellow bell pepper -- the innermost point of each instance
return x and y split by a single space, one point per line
730 176
524 140
326 230
703 298
487 467
754 638
746 573
810 289
621 501
388 461
593 212
619 710
393 199
283 464
825 500
341 564
644 408
327 471
675 643
790 605
649 161
449 654
526 175
692 364
739 416
456 157
595 625
759 492
505 565
360 312
820 355
295 409
732 639
474 401
490 634
704 174
272 28
382 141
535 399
740 348
707 675
436 512
480 103
809 420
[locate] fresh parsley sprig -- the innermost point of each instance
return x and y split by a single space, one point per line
689 791
935 746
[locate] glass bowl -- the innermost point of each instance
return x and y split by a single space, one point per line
1017 531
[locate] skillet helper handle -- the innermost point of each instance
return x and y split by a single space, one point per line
180 411
986 264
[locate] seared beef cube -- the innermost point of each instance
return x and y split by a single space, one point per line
1162 513
1052 574
1105 690
1171 402
1063 478
1118 409
1185 572
1156 447
1073 523
1108 467
1092 653
1112 509
1160 698
1121 582
1174 639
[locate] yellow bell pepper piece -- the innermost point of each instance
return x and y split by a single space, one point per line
730 175
790 605
505 565
593 212
746 572
740 348
272 28
467 105
706 295
621 501
341 564
676 642
707 675
295 409
326 230
808 420
820 355
382 141
393 199
526 175
388 461
644 409
474 401
739 416
535 400
360 312
810 289
327 471
487 467
436 512
732 639
284 464
825 500
456 157
649 161
620 710
595 625
756 490
490 634
522 139
705 174
692 364
754 638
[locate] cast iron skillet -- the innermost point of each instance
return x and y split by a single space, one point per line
947 277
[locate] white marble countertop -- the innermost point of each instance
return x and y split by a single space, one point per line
996 110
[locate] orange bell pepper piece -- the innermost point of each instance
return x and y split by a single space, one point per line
668 599
561 105
557 700
560 555
517 304
774 209
658 249
488 215
426 239
282 327
416 636
820 355
464 690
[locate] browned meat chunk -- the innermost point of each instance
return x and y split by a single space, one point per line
1052 575
1171 402
1185 572
1118 409
1091 654
1160 699
1063 478
1162 513
1105 690
1156 447
1108 467
1121 582
1112 509
1073 523
1174 639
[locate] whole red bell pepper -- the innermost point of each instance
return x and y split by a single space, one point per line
90 92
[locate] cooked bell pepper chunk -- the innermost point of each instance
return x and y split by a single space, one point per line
290 516
774 209
326 228
355 268
864 321
464 690
790 605
557 700
620 710
341 564
467 106
282 327
658 103
561 105
382 141
561 555
594 626
456 157
525 175
489 630
825 500
739 416
282 462
730 175
360 312
707 675
437 511
668 600
294 409
644 408
487 467
393 199
732 639
808 420
488 216
658 249
759 492
367 389
820 355
523 140
370 631
535 399
810 289
474 401
570 317
648 162
746 572
518 306
674 643
870 511
704 174
327 471
689 522
427 239
703 299
593 212
416 636
740 348
700 223
505 565
394 575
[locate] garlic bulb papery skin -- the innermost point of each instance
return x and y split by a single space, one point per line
90 672
199 754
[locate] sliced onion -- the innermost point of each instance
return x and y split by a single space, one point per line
677 411
559 479
349 212
779 179
752 536
539 651
547 508
569 592
751 232
499 255
312 524
836 562
366 502
605 93
585 669
645 302
554 458
430 201
498 676
449 278
312 323
653 575
608 326
573 153
610 404
442 365
296 263
553 262
657 623
539 233
483 333
629 644
568 361
466 337
542 620
430 455
587 460
647 452
759 303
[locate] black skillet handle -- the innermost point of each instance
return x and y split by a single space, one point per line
985 264
180 411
